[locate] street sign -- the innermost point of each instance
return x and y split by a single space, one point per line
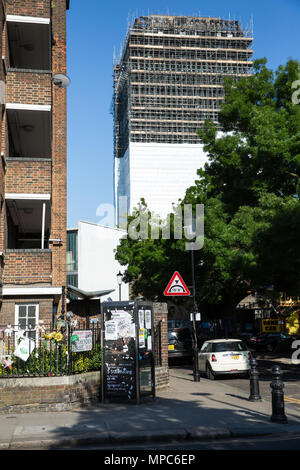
82 340
197 316
270 326
176 286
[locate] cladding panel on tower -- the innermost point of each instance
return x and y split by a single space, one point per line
168 82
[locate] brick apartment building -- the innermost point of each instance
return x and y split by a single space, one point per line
33 160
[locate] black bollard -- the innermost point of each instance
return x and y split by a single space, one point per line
277 386
254 383
196 366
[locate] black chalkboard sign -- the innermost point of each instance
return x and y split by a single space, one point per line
120 379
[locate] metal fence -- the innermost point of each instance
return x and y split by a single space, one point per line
48 350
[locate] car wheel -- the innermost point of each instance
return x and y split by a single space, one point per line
209 373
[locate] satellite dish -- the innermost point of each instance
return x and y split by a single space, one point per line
61 80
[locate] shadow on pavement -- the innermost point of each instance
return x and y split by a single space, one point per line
237 396
164 416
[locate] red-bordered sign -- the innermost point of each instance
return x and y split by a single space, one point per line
176 286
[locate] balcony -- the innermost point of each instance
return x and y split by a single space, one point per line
29 42
29 131
28 221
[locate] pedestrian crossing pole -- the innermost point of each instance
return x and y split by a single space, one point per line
195 309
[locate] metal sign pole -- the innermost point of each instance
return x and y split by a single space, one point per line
137 369
195 308
103 356
153 355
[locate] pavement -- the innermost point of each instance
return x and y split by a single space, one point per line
185 411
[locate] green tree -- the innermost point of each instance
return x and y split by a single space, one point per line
150 262
250 191
260 150
253 171
276 243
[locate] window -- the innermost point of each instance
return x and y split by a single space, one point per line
26 318
172 336
204 347
234 346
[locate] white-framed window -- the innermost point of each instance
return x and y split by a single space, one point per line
26 319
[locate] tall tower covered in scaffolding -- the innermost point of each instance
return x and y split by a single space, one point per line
168 81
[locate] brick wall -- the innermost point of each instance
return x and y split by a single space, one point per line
161 377
30 175
38 176
160 311
59 146
2 146
48 393
28 88
7 312
5 48
39 8
27 266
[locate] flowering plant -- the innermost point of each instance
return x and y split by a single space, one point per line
54 336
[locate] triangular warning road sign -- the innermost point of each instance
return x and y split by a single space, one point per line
176 286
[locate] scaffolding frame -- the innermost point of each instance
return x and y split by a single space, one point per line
170 77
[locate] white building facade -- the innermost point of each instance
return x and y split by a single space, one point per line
168 81
91 260
159 173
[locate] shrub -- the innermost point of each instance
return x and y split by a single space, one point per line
45 362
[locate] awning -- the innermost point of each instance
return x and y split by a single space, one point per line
81 294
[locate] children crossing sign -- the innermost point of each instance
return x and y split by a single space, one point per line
176 286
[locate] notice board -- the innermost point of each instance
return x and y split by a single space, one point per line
128 350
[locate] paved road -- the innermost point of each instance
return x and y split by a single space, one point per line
290 377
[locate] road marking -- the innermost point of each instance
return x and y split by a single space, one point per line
292 400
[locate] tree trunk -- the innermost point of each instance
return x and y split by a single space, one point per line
234 322
232 313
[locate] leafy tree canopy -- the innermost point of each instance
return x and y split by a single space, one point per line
260 150
249 187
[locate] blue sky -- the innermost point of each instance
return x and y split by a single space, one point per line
95 29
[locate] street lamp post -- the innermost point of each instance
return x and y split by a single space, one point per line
195 309
119 279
